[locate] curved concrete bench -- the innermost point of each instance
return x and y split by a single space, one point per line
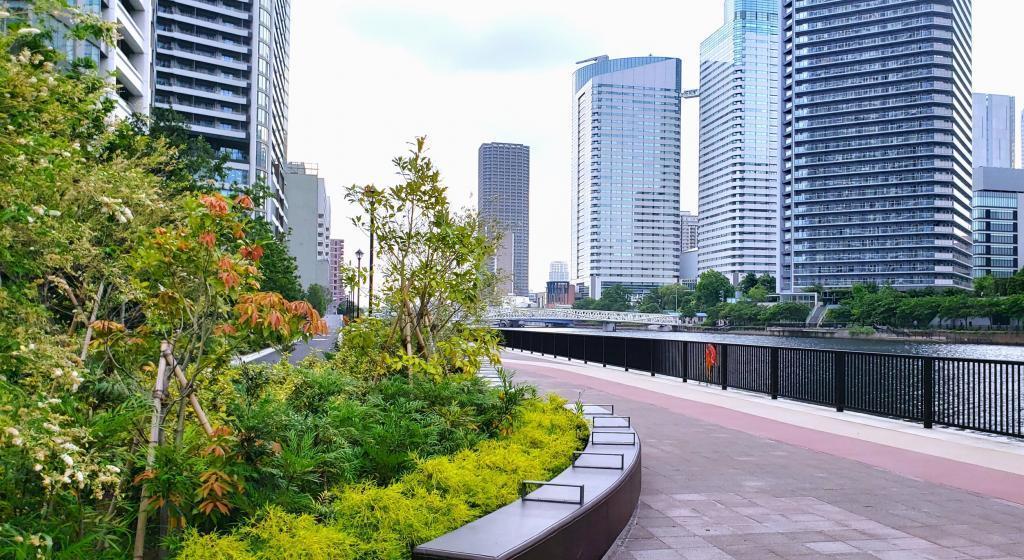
578 514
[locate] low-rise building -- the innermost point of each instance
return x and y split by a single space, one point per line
997 203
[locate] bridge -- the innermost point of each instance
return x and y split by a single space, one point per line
514 317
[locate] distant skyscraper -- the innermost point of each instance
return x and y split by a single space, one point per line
876 146
309 215
688 226
558 271
994 130
998 221
223 64
336 260
625 173
503 200
739 160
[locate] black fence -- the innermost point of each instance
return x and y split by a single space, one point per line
984 395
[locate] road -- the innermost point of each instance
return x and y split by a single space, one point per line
316 346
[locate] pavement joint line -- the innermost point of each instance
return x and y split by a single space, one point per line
984 450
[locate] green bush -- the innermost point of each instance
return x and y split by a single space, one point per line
368 521
861 330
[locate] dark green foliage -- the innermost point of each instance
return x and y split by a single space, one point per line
670 297
712 288
747 313
613 298
318 296
278 268
886 306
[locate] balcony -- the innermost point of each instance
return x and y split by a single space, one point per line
130 31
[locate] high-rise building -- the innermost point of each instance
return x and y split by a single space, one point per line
738 155
503 201
126 63
624 211
688 227
875 129
336 258
309 218
994 130
998 203
558 271
223 65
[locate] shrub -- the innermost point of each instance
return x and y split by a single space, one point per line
368 521
861 330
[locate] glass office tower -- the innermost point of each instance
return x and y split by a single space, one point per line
875 143
223 65
625 173
738 184
994 130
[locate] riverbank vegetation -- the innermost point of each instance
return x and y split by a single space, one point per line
131 274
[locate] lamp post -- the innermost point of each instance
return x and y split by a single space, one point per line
359 283
370 192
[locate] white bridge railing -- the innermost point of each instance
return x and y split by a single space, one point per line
540 314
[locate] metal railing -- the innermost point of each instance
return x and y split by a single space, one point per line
983 395
556 314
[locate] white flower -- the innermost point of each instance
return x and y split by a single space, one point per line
71 447
37 467
12 431
19 539
67 460
113 469
28 31
17 441
57 372
53 401
53 213
41 210
5 14
52 427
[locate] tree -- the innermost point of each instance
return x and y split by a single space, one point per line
431 257
712 288
757 293
767 281
615 298
319 297
585 303
748 282
278 270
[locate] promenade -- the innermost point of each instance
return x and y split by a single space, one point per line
735 475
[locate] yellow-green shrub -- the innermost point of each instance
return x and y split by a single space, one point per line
439 495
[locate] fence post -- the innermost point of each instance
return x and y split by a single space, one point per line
839 376
604 355
928 391
653 343
568 346
725 366
625 355
773 372
685 360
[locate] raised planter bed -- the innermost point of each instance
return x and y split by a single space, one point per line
578 514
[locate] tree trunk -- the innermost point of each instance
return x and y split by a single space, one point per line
92 319
192 398
159 388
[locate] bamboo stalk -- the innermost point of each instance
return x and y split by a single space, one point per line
192 398
92 319
159 389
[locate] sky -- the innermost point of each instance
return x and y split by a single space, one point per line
367 77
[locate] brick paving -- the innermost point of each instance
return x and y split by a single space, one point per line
711 492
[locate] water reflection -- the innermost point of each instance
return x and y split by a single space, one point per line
977 351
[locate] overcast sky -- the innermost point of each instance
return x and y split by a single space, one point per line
369 76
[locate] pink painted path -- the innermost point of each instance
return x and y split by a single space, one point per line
719 483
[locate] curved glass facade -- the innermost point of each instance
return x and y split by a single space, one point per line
738 164
625 176
875 138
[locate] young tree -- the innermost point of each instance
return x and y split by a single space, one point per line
615 298
431 257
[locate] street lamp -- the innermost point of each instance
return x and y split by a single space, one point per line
359 282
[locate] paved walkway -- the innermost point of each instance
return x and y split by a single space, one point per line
316 346
723 480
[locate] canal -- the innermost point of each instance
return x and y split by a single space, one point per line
946 350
